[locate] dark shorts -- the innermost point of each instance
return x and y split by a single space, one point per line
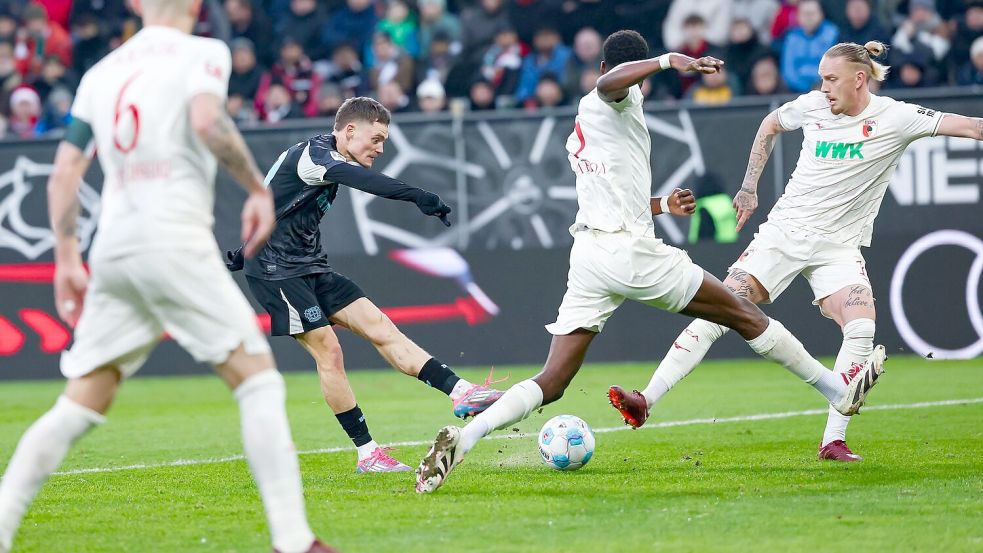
298 305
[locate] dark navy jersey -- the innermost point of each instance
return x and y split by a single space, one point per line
304 182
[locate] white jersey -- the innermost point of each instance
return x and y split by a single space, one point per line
610 152
846 164
159 179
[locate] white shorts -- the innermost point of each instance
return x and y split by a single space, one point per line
607 268
777 255
132 301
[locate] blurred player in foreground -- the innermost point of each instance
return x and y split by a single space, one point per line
616 256
304 296
852 141
154 109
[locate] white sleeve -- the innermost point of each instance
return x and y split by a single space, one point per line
792 114
633 98
82 104
916 121
209 72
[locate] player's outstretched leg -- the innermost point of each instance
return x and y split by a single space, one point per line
322 343
767 337
44 445
687 351
366 320
260 391
453 443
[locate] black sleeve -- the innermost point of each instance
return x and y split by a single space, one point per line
377 184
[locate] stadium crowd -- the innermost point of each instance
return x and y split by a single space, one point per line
302 58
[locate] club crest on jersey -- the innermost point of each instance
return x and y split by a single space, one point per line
312 314
869 128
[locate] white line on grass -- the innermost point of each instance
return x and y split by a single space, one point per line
515 435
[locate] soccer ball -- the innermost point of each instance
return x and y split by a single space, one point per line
566 442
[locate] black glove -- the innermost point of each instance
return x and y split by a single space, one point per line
234 259
430 204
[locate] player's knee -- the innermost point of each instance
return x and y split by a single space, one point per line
747 318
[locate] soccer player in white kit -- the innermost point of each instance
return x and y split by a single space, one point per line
616 256
852 141
154 111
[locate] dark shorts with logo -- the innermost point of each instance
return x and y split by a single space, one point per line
301 304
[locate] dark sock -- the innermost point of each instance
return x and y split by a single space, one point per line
438 375
353 422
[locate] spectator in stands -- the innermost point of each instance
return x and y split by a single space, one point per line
743 50
392 96
9 76
303 22
968 28
278 104
713 90
241 110
25 112
922 28
588 82
716 15
246 73
502 62
245 22
329 99
345 70
91 42
57 111
295 72
695 45
109 14
805 45
862 25
528 16
480 24
482 95
758 13
549 93
765 78
53 75
549 55
39 40
586 57
352 24
430 96
8 25
913 70
401 26
786 17
438 60
972 72
434 20
390 64
57 10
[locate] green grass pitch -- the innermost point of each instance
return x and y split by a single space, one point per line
730 485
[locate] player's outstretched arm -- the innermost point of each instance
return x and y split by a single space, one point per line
680 202
961 126
217 131
613 86
377 184
71 163
746 200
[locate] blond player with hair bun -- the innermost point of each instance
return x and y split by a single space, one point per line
852 141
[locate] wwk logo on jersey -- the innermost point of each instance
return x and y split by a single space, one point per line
839 150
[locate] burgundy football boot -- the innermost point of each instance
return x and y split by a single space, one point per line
632 406
837 450
318 547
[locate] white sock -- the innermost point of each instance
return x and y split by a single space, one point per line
686 353
273 459
516 404
365 451
777 344
460 389
39 453
858 344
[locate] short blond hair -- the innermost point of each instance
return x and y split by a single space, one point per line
863 55
165 7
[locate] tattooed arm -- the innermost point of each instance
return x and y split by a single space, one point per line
746 200
71 279
217 131
961 126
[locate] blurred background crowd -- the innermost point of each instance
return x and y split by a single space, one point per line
302 58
